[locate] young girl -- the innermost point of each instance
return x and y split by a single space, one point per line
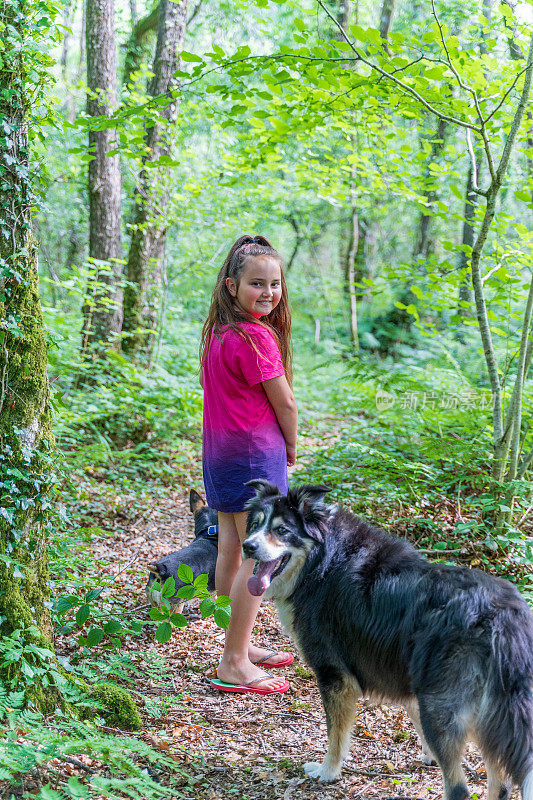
249 431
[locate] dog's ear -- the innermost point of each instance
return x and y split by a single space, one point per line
263 488
196 501
308 501
313 494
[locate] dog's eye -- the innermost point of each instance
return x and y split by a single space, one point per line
253 525
282 530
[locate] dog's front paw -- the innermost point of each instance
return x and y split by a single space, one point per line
318 770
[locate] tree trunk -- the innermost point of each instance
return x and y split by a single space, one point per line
25 430
142 297
299 237
425 241
103 305
343 11
350 277
385 21
135 48
465 288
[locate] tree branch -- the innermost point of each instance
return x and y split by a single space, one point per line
404 86
471 91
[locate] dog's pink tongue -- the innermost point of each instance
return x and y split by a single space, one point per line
260 582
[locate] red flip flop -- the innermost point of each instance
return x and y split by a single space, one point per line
250 688
265 661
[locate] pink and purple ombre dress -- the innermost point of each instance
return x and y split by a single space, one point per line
242 439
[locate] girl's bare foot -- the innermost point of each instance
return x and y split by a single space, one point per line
260 654
242 671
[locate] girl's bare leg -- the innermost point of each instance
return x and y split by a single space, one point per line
235 665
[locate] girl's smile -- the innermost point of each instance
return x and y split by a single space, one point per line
259 289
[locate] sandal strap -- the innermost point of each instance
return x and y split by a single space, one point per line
267 677
268 656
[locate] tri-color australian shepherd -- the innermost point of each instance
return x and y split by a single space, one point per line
372 617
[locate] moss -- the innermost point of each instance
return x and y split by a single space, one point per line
120 709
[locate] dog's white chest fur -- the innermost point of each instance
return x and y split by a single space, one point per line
286 616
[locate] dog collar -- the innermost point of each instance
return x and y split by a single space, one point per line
211 532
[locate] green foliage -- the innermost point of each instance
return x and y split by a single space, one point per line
195 587
129 766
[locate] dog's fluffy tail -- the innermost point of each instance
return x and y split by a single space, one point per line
506 719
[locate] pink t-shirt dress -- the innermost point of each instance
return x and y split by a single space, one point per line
242 439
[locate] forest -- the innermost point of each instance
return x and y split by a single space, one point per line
386 150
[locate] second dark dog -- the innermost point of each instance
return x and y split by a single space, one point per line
200 555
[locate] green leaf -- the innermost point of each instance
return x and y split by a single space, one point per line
185 592
169 587
157 615
179 620
206 607
164 632
77 789
113 626
94 637
185 573
47 793
93 594
186 56
82 615
63 605
222 617
222 601
201 582
26 669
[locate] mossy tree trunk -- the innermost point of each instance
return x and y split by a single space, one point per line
25 431
142 296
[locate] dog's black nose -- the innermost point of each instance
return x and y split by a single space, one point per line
249 548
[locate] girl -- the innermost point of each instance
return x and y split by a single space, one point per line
249 431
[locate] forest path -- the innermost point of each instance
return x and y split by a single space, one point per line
243 745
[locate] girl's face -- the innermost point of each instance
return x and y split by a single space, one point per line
259 289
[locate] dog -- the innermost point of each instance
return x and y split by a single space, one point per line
200 555
372 617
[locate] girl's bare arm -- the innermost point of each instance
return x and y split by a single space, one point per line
282 401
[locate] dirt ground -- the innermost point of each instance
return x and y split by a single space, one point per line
245 745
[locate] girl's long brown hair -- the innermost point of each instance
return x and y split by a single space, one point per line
225 313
